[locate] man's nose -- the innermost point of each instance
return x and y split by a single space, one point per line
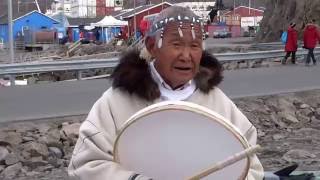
186 54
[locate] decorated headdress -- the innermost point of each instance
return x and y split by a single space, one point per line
179 15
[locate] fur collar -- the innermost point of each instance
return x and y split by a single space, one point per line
132 74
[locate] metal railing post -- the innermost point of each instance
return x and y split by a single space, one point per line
79 75
12 80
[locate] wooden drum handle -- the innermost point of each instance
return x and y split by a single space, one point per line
227 162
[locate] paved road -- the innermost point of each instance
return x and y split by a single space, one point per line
73 98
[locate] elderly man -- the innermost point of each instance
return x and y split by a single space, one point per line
173 66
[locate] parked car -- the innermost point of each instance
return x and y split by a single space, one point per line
221 34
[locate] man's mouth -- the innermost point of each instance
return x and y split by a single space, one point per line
183 68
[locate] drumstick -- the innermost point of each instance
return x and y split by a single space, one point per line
227 162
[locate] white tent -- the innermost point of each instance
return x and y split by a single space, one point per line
109 21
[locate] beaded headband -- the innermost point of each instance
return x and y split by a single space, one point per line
160 25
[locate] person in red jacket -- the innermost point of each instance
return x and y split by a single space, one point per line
291 44
310 37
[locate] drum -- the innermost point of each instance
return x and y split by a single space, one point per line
175 140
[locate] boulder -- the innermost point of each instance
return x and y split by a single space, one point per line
35 149
11 171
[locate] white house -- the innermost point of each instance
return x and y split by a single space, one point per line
199 8
59 5
83 8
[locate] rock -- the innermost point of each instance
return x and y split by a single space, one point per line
243 65
297 155
306 112
35 162
304 106
11 171
288 117
261 133
277 121
35 149
277 137
318 112
32 173
55 152
62 163
44 128
286 106
31 80
3 153
71 130
52 138
2 167
297 103
45 168
308 133
12 138
11 159
301 117
27 139
315 120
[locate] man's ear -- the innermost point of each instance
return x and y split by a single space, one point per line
150 43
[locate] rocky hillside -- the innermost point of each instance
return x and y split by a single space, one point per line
279 14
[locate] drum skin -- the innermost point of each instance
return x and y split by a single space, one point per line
175 140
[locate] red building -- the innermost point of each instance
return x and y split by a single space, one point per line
237 21
140 12
244 11
102 9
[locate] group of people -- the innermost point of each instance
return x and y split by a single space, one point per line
311 36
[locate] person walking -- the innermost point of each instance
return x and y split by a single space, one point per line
291 44
311 36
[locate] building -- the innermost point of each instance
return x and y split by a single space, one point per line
243 16
94 8
77 25
242 21
31 22
84 8
135 16
60 6
201 9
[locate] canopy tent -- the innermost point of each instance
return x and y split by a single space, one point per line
110 21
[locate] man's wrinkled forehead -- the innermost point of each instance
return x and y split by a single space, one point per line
172 29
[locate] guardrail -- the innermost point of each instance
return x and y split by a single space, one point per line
260 55
80 65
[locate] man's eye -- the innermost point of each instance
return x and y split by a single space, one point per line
195 45
176 44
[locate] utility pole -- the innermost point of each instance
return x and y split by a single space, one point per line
10 26
19 6
234 7
162 4
249 6
37 4
134 19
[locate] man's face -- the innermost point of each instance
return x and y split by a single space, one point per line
177 61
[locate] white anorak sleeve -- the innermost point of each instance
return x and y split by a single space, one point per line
92 158
256 171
